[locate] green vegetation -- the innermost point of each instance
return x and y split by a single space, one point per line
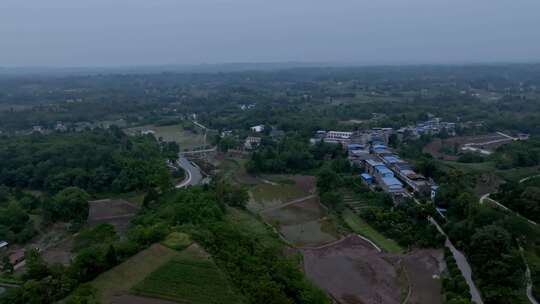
120 279
190 278
177 241
96 161
455 287
361 227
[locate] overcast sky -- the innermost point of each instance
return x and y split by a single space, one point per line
145 32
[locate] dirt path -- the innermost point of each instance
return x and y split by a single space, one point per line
298 200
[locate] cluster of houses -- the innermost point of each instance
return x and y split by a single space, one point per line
383 169
356 137
387 171
433 126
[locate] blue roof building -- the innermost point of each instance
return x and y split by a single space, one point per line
391 185
366 178
383 171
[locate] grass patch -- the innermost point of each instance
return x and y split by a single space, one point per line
251 224
361 227
188 278
177 241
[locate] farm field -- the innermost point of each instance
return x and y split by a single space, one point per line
423 272
189 277
358 225
113 286
186 139
255 227
275 190
304 223
353 272
115 212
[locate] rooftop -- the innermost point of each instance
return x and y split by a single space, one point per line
391 181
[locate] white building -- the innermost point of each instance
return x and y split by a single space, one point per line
257 129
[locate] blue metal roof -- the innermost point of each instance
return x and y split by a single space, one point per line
383 170
366 176
391 181
355 146
392 159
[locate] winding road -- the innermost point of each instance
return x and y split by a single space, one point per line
193 173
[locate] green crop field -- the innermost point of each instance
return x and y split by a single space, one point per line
188 278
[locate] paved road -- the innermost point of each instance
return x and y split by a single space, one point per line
462 264
193 173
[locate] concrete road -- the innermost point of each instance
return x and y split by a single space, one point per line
193 173
462 264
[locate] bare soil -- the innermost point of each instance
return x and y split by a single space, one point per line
115 212
436 147
424 271
353 272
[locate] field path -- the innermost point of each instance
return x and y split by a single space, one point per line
298 200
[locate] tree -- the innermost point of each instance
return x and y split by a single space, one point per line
327 180
7 267
70 204
36 268
332 199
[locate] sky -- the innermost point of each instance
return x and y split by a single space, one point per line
73 33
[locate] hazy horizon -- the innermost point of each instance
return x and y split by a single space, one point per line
121 33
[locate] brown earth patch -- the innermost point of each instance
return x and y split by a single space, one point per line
438 146
423 272
115 212
353 272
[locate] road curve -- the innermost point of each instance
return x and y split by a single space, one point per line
193 173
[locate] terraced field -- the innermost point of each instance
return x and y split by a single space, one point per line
191 277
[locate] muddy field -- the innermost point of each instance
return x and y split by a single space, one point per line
352 271
423 272
115 212
303 223
275 190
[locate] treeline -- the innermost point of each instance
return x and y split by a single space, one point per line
517 154
293 155
96 161
523 198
